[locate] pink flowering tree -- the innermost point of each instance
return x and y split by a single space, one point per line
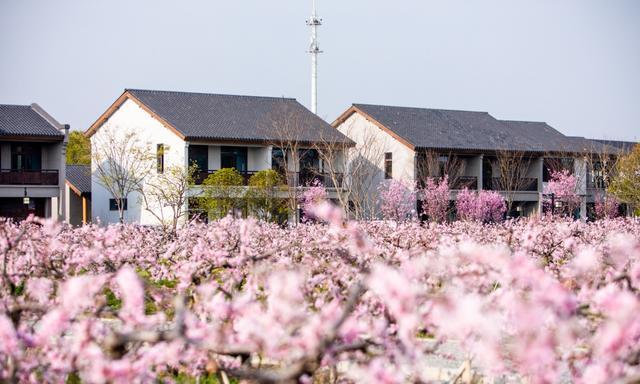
397 201
539 300
435 203
485 206
563 186
606 206
313 195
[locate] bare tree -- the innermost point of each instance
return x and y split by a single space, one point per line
355 170
168 191
436 164
285 133
122 163
513 167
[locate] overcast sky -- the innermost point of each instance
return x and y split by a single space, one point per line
573 63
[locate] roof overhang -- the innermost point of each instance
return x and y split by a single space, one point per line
33 138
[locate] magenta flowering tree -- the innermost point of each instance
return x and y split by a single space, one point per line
314 194
397 201
485 206
435 203
563 185
606 206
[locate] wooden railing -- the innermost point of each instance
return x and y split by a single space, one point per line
29 177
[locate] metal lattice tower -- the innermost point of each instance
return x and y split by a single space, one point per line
314 49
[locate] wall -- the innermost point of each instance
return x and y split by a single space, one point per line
131 118
362 131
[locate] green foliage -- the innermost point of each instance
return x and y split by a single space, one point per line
221 194
225 177
267 178
113 302
263 199
626 184
78 149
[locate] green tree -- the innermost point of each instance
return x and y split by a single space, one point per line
78 149
626 184
221 195
264 198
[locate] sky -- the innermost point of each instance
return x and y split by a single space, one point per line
573 63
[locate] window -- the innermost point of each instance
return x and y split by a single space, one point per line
278 161
26 156
113 205
234 157
199 155
160 158
388 165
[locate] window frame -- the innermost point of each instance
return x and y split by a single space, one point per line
160 158
388 165
113 206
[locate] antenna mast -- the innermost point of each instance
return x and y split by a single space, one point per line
314 22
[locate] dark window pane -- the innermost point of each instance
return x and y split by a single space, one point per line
26 156
160 158
388 165
199 155
113 206
234 157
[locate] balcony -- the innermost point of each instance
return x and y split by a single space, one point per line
28 177
200 176
458 183
309 178
523 185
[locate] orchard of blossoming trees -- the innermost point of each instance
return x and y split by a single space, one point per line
542 300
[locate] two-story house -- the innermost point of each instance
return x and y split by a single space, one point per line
213 131
474 149
32 162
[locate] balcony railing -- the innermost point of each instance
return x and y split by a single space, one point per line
302 179
28 177
200 176
458 183
529 184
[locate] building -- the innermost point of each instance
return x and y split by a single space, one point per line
78 194
32 162
213 131
475 150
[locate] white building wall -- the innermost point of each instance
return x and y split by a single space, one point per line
364 132
130 117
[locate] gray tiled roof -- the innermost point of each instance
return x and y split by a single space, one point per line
582 144
25 120
202 116
440 128
80 177
625 146
467 130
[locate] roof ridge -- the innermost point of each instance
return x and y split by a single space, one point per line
523 121
207 94
15 105
418 108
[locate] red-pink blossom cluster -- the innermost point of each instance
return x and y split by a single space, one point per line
483 206
436 199
539 300
563 186
606 206
397 200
